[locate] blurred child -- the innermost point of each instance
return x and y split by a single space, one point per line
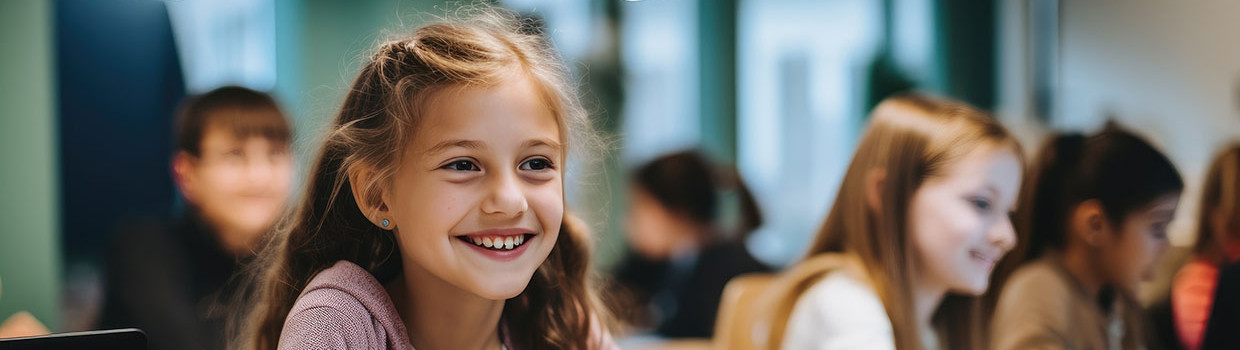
234 170
682 255
434 217
1094 222
1218 244
923 213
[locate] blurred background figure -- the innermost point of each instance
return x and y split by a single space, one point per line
682 254
1092 225
1217 246
234 170
910 242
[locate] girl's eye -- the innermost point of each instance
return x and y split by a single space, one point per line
536 164
461 165
980 203
1160 231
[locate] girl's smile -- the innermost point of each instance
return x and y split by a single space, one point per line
499 244
987 260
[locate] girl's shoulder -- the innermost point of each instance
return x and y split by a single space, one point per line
343 306
1040 290
839 283
1041 306
840 311
1042 277
845 295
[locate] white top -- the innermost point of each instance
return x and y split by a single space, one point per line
841 312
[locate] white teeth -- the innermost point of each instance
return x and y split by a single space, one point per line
504 243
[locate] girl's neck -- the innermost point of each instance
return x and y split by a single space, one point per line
438 315
926 299
1077 262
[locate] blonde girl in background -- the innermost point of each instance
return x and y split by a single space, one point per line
919 221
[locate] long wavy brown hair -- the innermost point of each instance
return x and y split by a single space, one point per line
910 138
379 116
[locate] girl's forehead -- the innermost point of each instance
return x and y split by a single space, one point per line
458 105
1161 207
996 168
510 109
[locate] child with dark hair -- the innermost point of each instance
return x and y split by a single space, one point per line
1092 224
681 254
233 167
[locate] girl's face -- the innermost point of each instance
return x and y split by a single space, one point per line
1129 256
478 200
239 184
959 222
654 232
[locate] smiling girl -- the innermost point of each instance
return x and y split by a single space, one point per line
923 212
435 215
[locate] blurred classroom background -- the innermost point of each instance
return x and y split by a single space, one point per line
776 88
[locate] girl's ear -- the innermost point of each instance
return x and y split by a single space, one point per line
875 179
1089 222
369 197
183 174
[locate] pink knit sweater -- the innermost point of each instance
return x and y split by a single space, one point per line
345 307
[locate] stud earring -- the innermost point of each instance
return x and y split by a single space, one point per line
386 223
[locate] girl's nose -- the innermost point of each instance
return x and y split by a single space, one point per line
505 197
1003 235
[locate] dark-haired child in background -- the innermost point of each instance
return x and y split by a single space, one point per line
234 169
1092 225
681 255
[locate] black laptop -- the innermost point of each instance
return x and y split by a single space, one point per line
112 339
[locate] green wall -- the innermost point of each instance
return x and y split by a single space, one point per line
29 233
321 45
717 77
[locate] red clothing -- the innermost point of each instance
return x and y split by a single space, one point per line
1192 295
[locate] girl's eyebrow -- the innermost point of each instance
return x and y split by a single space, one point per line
543 142
445 145
1160 213
990 189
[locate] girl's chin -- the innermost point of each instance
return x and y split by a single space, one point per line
498 288
977 290
973 289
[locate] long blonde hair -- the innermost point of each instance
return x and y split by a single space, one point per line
910 138
380 114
